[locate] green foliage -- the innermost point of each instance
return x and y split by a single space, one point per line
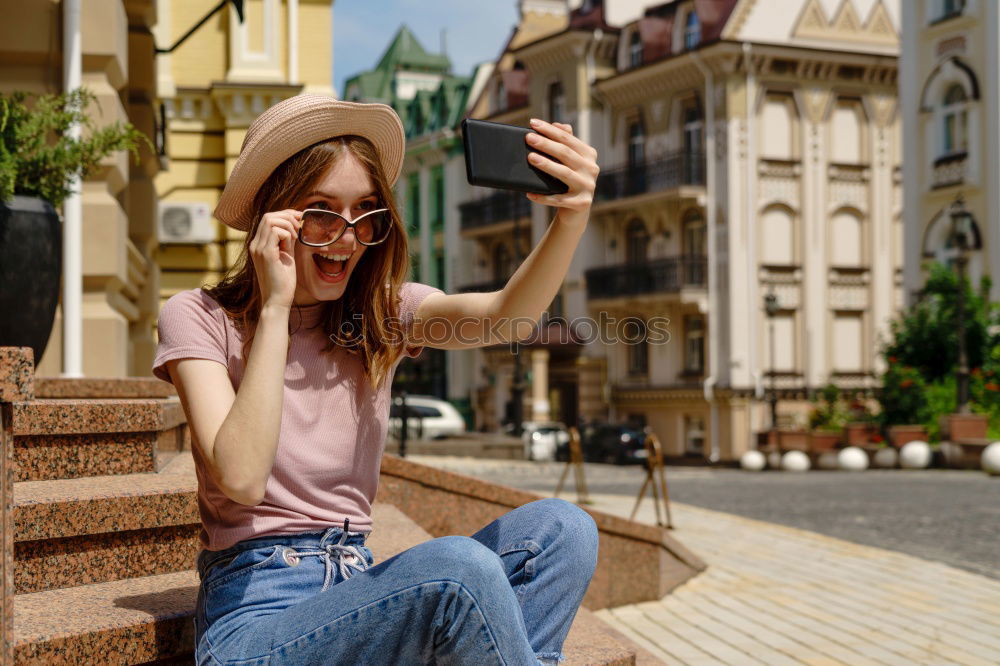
903 396
829 412
39 158
919 385
926 336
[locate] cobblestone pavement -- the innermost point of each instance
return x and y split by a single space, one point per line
949 516
780 595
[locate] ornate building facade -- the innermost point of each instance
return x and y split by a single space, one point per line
950 93
745 149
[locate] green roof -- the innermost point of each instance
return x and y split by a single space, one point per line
404 53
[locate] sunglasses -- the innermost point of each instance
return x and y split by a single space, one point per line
323 227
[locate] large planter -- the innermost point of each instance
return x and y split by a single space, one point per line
966 426
30 268
823 440
904 434
793 440
858 433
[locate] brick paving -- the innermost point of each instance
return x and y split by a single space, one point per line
775 594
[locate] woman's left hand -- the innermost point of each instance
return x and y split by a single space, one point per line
578 169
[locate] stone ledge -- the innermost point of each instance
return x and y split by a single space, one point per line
91 387
61 417
17 374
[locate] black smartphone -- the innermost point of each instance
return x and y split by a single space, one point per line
496 155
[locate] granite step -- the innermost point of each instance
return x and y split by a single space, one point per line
74 532
73 438
148 619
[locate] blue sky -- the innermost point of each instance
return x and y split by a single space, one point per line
476 30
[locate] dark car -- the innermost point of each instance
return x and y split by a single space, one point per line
609 443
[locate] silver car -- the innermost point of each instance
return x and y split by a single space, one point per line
541 439
429 418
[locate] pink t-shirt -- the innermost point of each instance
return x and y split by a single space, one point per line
333 425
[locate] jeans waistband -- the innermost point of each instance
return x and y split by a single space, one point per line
307 541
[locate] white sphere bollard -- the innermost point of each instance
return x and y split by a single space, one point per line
753 461
886 457
991 459
915 455
852 459
795 461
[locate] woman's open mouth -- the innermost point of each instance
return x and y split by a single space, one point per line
332 267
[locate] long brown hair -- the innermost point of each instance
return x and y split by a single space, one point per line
363 319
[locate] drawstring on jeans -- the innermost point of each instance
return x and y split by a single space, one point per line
338 551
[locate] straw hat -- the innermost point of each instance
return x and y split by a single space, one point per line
297 123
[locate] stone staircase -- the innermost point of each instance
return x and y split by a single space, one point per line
100 527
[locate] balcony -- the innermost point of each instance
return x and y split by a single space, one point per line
671 172
950 170
494 209
667 275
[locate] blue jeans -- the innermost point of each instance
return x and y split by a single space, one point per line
507 595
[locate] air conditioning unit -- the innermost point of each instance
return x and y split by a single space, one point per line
182 222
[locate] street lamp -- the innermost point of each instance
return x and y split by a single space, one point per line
771 307
962 238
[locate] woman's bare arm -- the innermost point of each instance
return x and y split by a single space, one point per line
238 431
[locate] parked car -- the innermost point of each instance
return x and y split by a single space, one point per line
542 439
609 443
428 418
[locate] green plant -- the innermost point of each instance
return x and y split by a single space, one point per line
903 395
39 158
829 411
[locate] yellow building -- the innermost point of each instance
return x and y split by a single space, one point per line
210 89
746 148
120 279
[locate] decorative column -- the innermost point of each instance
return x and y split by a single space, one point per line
540 408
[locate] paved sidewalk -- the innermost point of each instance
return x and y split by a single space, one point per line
779 595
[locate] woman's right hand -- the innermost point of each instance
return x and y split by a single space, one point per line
273 253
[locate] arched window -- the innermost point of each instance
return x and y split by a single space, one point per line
636 242
557 102
955 116
777 238
635 50
692 30
846 239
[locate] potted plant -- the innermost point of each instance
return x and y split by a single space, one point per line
826 421
39 161
904 404
862 425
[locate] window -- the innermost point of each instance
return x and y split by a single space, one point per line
846 239
636 144
437 198
635 50
949 9
694 435
694 344
695 248
956 121
846 132
638 352
777 238
439 270
692 31
557 102
847 342
693 143
636 242
777 128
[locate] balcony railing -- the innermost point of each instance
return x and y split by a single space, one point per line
950 169
669 274
499 207
672 171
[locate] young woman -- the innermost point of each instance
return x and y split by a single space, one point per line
284 370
